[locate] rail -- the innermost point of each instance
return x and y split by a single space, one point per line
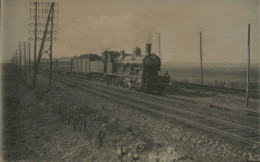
220 127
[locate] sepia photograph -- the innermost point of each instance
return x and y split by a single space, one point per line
130 80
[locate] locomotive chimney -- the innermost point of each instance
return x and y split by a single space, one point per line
149 48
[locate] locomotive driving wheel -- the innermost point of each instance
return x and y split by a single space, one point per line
160 89
145 89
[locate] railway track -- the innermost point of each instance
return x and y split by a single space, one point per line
179 112
252 93
242 113
245 110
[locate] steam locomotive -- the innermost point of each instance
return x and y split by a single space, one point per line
133 71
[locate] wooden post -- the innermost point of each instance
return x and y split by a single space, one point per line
24 46
74 126
85 124
29 50
121 150
69 116
20 52
201 67
66 116
248 68
51 34
16 60
159 41
35 37
100 138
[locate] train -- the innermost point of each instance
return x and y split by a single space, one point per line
133 71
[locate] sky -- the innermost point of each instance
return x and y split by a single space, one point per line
92 26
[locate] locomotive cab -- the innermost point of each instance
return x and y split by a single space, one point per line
152 81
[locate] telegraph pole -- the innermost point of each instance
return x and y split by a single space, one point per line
29 58
44 18
16 60
24 46
35 36
20 59
42 43
248 68
201 67
159 43
51 44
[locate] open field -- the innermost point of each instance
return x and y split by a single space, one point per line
220 75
